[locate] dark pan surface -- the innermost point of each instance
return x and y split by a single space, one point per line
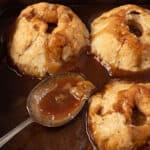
14 90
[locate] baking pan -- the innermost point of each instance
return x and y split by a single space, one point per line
15 88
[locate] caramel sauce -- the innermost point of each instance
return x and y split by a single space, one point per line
60 102
93 70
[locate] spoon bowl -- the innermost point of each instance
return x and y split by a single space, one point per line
58 99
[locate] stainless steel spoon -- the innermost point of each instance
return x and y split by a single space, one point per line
82 88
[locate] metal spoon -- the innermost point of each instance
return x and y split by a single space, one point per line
81 91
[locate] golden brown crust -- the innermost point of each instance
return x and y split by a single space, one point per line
111 120
121 37
36 51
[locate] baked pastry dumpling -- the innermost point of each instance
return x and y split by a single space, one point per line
121 40
36 50
119 116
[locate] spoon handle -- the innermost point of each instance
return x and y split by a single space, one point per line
4 139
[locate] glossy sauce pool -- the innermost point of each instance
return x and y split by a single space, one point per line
59 102
14 90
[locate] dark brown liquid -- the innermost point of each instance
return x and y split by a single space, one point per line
14 90
51 27
138 118
60 102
